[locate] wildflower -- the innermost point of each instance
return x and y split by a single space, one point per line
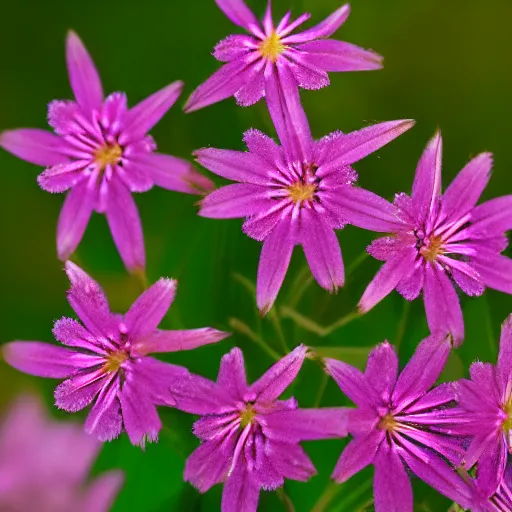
44 464
400 422
105 360
250 438
298 193
444 239
250 58
485 401
100 153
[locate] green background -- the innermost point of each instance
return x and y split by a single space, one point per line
447 64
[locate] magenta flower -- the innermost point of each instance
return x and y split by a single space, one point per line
485 402
44 464
444 239
101 153
105 360
250 438
400 422
298 193
250 59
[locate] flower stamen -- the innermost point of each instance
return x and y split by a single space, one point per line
301 191
108 155
247 416
272 47
433 248
507 422
114 361
388 423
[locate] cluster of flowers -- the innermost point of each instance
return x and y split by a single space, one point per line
298 192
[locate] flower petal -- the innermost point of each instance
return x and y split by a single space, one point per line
36 146
234 201
71 333
74 217
41 359
332 55
141 118
224 83
322 250
124 222
83 76
392 488
388 277
358 454
306 74
274 260
492 217
504 365
354 146
232 373
233 47
89 302
491 466
465 190
174 341
265 147
324 29
102 492
427 181
79 391
173 173
148 310
382 369
364 209
253 90
62 177
236 165
241 493
442 304
422 370
495 271
238 12
279 376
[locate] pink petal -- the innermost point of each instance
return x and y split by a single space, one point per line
253 90
62 177
234 47
148 310
125 225
232 373
236 165
306 73
83 76
495 270
173 173
410 286
71 333
36 146
392 488
274 260
74 217
260 226
504 365
79 391
491 466
89 302
332 55
363 209
238 12
442 304
324 29
276 379
291 461
465 190
234 201
102 492
388 277
41 359
221 85
492 217
382 369
322 250
427 181
141 118
286 110
174 341
241 493
354 146
266 148
358 454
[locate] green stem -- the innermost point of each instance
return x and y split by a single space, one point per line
285 499
356 264
276 322
239 326
330 492
321 389
140 275
301 284
402 326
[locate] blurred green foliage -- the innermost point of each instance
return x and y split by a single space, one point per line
446 64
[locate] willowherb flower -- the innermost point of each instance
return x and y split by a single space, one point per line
44 464
101 153
444 239
400 422
298 193
250 59
250 437
105 361
485 402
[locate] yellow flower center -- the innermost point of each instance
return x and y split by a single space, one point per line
301 191
507 423
272 47
247 416
434 248
114 361
108 155
388 423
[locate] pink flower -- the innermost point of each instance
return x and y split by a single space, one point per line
44 464
101 153
105 361
251 59
443 239
250 437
